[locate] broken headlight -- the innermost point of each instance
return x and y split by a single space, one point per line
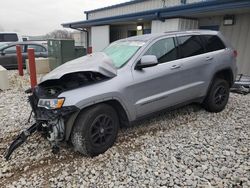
51 103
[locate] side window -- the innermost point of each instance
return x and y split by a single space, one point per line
164 50
37 48
190 46
11 50
212 43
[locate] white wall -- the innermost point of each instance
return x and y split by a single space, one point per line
132 8
169 25
187 24
99 37
176 24
136 7
238 35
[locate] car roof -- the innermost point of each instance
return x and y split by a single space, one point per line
21 43
148 37
6 32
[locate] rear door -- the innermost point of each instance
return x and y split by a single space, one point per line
217 52
195 66
40 51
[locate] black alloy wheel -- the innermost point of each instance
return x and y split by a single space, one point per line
220 95
217 96
102 130
95 130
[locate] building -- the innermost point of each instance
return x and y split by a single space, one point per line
231 17
79 38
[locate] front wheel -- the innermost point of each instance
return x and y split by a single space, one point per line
95 130
217 97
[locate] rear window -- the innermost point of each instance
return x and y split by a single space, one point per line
212 43
190 46
37 48
6 37
10 50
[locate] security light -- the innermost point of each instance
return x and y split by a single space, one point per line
139 27
229 20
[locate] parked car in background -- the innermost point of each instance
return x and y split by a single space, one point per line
42 42
88 99
8 57
9 37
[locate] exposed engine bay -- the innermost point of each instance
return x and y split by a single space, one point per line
48 111
52 88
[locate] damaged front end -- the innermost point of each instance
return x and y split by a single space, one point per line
48 111
50 115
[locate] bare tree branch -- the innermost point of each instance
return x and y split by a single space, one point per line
59 34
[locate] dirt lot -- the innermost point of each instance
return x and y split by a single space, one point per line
188 147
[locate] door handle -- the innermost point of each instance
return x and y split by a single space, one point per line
209 58
175 67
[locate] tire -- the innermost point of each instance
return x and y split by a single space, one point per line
217 96
95 130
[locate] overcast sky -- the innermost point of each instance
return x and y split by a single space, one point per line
38 17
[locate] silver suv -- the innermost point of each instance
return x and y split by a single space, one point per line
86 101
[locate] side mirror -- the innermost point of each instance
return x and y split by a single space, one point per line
147 61
2 53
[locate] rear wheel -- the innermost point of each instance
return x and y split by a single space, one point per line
95 130
217 97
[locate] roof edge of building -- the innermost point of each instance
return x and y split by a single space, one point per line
167 12
115 6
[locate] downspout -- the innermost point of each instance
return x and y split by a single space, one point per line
159 17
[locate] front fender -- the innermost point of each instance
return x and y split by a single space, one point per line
70 121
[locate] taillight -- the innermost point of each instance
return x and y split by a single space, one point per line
235 53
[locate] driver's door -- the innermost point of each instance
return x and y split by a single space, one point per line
154 87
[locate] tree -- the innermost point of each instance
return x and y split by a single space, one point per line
59 34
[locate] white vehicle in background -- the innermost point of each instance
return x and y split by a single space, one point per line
9 37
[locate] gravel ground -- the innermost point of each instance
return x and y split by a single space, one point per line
188 147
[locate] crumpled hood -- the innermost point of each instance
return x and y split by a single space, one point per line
96 62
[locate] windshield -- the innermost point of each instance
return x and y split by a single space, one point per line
120 52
